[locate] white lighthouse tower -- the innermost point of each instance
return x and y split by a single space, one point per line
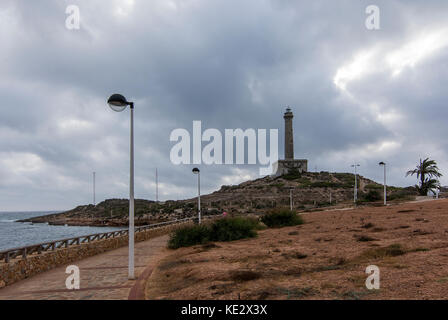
282 167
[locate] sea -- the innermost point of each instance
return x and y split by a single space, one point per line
15 234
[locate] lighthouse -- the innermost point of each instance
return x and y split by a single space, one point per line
289 135
282 167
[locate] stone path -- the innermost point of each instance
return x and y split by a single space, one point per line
103 277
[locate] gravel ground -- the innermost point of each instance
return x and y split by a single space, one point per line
325 258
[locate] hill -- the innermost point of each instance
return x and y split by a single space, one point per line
310 190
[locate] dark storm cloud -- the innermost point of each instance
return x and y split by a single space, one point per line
230 64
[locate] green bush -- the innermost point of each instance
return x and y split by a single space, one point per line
226 229
326 184
230 229
292 174
401 195
281 218
189 236
374 186
372 196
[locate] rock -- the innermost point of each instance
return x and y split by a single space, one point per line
2 284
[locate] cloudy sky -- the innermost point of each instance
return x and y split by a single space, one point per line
358 95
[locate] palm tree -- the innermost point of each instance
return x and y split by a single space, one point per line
426 171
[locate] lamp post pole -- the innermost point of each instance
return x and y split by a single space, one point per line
290 199
157 186
198 172
199 196
131 199
385 191
94 200
118 103
355 193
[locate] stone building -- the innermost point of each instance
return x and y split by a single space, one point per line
284 166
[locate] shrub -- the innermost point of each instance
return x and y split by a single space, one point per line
374 186
393 250
256 223
226 229
278 185
292 174
364 238
326 184
188 236
281 218
401 195
244 275
368 225
372 196
230 229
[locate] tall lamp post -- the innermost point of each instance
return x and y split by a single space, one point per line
94 201
198 172
385 193
118 103
355 193
157 186
290 198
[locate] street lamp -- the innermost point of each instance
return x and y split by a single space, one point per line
290 198
118 103
198 172
385 193
355 196
94 201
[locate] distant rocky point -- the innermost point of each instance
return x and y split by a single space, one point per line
310 190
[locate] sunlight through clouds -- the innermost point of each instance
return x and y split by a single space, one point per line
361 65
416 50
124 7
381 59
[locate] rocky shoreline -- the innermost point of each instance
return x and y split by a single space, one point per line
87 222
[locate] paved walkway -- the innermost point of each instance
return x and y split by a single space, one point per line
103 276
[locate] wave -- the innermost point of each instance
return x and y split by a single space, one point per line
8 221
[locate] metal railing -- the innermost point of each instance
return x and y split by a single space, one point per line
65 243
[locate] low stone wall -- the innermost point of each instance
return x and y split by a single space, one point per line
19 269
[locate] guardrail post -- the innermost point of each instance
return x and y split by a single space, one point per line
7 257
24 253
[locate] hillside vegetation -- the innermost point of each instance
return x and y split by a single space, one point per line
311 190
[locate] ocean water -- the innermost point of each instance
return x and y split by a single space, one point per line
16 234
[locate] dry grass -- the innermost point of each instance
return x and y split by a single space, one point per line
392 250
322 259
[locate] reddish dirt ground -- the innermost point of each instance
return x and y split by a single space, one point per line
325 258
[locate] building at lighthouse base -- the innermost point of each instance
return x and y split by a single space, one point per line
282 167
